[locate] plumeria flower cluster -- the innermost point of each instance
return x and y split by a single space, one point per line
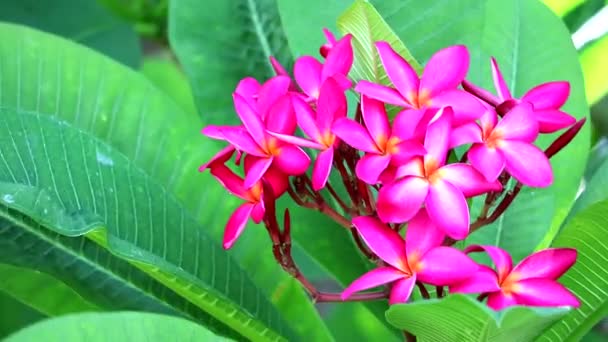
407 180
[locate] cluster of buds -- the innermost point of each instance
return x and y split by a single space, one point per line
406 182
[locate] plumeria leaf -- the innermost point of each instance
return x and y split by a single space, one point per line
462 318
588 278
117 326
236 40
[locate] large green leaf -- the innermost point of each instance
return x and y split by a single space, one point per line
235 41
461 318
591 60
588 279
119 326
15 315
41 291
85 21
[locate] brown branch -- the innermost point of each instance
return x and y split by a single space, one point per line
423 291
335 195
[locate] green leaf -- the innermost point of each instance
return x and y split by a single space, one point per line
15 315
235 41
562 7
119 326
85 21
594 189
588 278
591 59
462 318
577 17
367 27
41 291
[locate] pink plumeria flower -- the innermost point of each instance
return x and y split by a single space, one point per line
310 74
419 258
435 89
441 188
318 126
254 206
546 99
506 144
532 282
382 145
331 42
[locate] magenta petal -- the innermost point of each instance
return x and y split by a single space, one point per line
257 214
297 141
466 107
371 279
465 134
375 118
489 161
307 72
213 132
278 68
498 300
405 150
543 292
399 71
250 118
549 263
281 117
527 163
322 168
550 120
551 95
468 180
242 140
437 136
292 160
236 224
339 59
445 70
229 180
371 166
422 235
400 201
382 93
406 122
256 171
355 135
519 124
248 88
331 104
270 92
500 258
414 167
448 208
499 82
482 281
306 118
402 290
382 241
446 265
219 158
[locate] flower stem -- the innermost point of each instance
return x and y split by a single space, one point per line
423 291
409 337
480 93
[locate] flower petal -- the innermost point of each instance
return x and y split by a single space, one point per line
543 292
468 180
398 202
501 259
445 70
322 168
465 134
437 136
550 95
229 180
422 235
355 135
405 151
213 132
292 160
331 104
236 224
382 93
550 120
498 300
499 82
549 263
489 161
527 163
448 208
482 281
241 139
281 117
375 118
270 92
467 108
402 290
278 180
250 118
406 122
339 59
257 214
297 141
307 72
249 88
370 167
446 265
399 71
371 279
256 171
518 124
382 241
278 68
306 118
219 158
